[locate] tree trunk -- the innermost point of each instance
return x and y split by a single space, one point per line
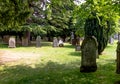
118 58
118 55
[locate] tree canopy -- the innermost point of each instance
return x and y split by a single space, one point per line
107 9
13 13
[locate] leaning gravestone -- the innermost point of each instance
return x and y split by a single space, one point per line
89 50
12 43
38 41
55 42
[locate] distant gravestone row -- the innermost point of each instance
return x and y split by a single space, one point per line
56 42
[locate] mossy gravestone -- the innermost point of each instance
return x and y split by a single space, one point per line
38 41
89 50
55 42
12 43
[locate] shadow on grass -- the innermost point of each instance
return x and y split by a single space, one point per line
55 73
78 53
69 46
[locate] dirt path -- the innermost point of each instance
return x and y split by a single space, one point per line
9 56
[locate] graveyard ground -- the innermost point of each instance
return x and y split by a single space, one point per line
48 65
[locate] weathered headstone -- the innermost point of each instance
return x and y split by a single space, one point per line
38 41
55 42
89 50
72 38
60 43
111 40
24 41
12 43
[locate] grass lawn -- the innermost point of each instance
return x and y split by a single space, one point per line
48 65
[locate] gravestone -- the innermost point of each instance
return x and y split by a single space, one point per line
72 38
55 42
89 51
38 41
12 43
60 43
77 48
24 41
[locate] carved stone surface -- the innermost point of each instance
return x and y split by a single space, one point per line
12 43
89 50
38 41
55 42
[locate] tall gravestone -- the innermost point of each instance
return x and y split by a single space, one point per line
89 50
12 43
38 41
55 42
72 38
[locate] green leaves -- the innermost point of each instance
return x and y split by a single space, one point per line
13 13
96 9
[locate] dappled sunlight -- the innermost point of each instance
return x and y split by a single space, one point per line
57 73
59 65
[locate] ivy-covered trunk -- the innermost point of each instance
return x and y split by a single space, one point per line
93 28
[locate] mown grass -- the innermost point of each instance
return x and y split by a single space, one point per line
57 66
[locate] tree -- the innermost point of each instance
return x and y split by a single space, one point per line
13 14
97 21
51 18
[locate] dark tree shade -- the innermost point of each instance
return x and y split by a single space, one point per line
93 28
13 13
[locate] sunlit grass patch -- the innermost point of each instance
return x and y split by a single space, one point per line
48 65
